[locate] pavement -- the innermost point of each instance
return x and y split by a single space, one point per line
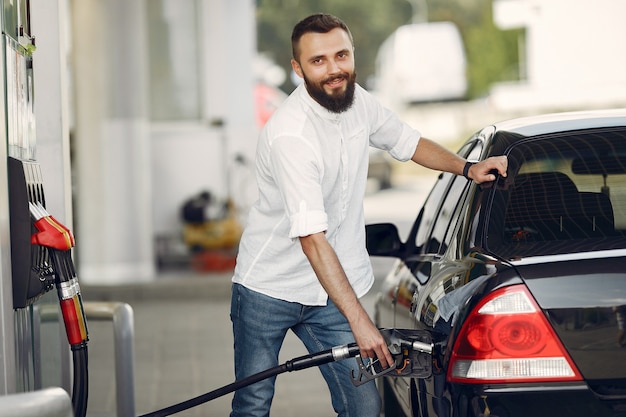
183 343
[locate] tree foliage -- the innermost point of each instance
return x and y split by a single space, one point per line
491 53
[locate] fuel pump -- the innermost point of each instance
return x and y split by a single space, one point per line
41 260
40 246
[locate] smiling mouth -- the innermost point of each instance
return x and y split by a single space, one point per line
335 82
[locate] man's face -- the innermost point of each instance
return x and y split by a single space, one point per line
326 64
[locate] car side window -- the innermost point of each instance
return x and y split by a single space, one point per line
439 207
449 211
451 208
474 155
431 209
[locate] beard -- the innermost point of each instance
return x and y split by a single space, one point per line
336 102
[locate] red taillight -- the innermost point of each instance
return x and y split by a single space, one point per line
506 338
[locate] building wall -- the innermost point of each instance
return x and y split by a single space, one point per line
572 54
131 172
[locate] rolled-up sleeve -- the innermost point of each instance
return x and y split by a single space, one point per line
298 168
306 222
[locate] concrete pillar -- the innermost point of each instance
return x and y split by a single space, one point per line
113 213
229 87
50 20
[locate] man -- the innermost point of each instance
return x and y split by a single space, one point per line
302 263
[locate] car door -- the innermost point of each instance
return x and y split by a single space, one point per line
440 268
429 238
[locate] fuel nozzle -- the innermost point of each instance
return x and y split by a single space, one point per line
414 340
412 353
59 241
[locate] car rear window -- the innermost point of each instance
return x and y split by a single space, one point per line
563 194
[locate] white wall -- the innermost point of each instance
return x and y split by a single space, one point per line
573 54
191 157
132 175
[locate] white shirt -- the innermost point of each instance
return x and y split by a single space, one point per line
311 170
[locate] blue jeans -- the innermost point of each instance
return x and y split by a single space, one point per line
260 324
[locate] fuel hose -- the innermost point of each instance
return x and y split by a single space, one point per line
334 354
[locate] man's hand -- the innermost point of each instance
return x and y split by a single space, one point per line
483 171
371 343
434 156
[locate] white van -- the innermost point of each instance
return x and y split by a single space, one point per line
422 62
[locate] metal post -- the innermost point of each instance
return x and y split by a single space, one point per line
123 332
50 402
121 314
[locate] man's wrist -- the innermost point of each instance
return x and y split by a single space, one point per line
466 168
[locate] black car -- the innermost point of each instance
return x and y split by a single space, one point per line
521 283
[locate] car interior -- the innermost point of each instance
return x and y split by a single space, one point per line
548 206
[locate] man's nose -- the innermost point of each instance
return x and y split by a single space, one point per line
333 66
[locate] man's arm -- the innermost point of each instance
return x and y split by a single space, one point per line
434 156
331 275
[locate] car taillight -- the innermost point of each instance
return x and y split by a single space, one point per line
506 338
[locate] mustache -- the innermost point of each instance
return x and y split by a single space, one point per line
343 76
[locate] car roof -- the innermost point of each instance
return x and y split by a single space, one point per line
559 122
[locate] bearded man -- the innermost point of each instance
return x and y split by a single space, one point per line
302 261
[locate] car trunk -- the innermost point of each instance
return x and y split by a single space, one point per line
582 299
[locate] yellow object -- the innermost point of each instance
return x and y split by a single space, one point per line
214 234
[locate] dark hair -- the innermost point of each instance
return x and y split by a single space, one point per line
318 23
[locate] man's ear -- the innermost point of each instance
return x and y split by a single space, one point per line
296 68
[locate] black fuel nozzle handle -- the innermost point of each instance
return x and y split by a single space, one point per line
412 353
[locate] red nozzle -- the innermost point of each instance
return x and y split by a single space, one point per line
52 234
